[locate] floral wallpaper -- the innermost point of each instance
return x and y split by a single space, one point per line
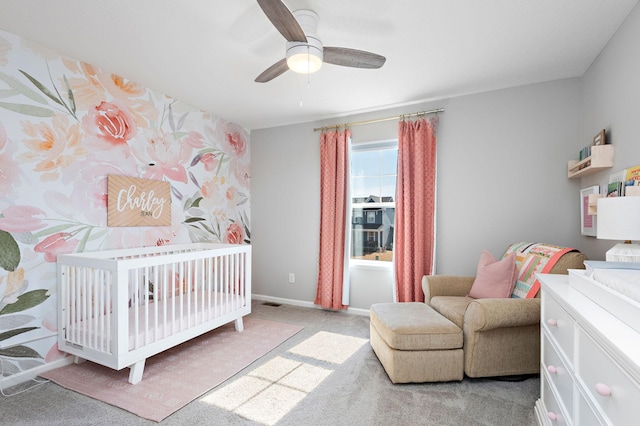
64 126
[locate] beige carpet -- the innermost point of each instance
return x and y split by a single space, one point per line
181 374
269 392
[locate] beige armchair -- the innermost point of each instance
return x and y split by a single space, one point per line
501 337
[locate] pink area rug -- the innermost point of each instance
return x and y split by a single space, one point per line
179 375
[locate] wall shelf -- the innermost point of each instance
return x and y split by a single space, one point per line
601 158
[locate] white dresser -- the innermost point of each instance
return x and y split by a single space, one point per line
590 360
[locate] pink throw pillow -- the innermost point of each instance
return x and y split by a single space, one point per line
494 278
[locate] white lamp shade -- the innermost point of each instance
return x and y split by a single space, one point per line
619 218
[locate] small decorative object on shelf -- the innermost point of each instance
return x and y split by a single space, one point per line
600 158
600 138
584 153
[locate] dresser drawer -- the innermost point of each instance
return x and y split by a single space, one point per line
555 414
559 324
584 414
606 384
557 373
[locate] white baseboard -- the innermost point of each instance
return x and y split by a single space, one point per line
25 376
301 303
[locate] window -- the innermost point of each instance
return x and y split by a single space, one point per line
371 217
373 187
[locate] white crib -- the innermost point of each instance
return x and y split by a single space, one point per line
119 307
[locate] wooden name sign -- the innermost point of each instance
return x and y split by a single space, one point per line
138 202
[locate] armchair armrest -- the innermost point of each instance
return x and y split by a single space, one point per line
445 285
489 314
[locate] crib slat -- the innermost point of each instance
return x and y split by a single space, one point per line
162 291
181 293
109 308
216 285
187 290
136 307
156 281
93 319
239 297
172 294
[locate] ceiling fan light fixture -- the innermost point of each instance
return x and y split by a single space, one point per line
305 52
305 58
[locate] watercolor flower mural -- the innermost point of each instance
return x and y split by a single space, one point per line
109 124
225 149
163 154
205 218
22 219
9 170
87 180
234 234
52 146
87 89
64 127
92 86
241 172
236 143
194 139
210 161
55 244
13 295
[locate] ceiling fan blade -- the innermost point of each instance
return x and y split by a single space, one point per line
284 21
352 57
273 71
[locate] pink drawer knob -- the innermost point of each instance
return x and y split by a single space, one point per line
551 369
603 390
552 416
552 322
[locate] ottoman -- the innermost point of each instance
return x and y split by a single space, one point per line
415 344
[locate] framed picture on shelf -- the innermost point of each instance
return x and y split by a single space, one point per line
600 138
587 221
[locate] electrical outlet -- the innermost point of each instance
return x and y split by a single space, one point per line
292 277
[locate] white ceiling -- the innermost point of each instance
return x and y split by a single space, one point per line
208 52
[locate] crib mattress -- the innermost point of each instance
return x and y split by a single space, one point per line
149 323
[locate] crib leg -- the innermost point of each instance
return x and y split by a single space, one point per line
78 360
239 324
135 372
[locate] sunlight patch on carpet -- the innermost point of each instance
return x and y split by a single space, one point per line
329 347
232 396
275 369
305 378
271 405
270 391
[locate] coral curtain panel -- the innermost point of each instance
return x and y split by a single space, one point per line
334 184
415 207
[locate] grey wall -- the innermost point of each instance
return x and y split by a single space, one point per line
502 178
611 90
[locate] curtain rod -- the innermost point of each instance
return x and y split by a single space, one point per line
397 117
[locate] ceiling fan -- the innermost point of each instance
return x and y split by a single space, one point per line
305 52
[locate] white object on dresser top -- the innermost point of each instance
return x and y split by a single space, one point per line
616 303
625 281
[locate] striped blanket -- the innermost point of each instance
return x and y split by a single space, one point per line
532 258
